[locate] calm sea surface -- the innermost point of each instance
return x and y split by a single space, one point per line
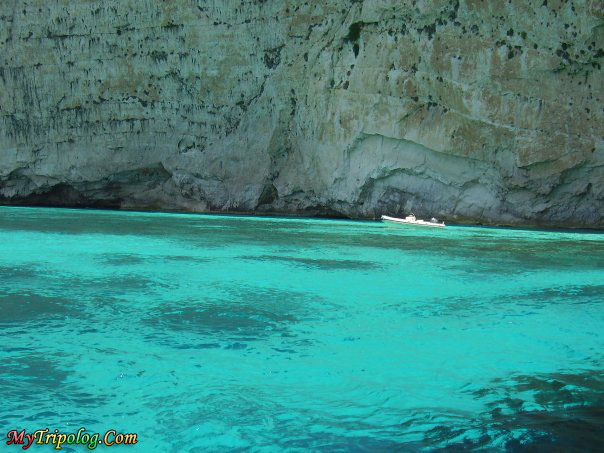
223 333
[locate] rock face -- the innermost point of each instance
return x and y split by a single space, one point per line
469 110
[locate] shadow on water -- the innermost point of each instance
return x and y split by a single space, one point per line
121 259
550 412
36 370
507 304
561 412
316 263
36 388
16 309
245 314
185 259
117 285
569 294
129 259
232 319
503 256
489 255
18 273
29 298
217 322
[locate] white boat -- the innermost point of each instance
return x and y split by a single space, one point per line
411 220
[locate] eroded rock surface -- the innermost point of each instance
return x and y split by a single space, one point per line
469 110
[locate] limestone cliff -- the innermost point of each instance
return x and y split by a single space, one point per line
471 110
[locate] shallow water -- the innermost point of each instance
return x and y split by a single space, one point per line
223 333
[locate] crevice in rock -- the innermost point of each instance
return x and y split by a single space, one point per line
268 196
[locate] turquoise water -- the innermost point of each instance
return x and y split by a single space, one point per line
223 333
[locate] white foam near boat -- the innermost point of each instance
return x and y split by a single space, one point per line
411 220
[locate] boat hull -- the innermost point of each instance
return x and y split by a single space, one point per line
420 223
